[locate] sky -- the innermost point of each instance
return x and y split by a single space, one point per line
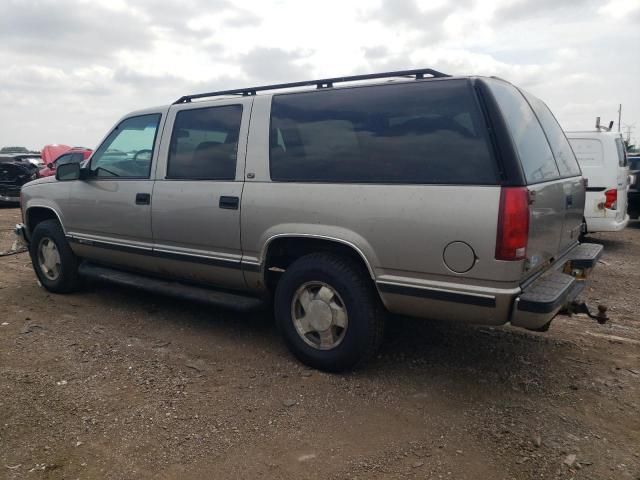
69 69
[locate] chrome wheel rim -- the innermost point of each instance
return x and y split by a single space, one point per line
49 258
319 315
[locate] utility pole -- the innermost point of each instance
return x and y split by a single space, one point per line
629 129
619 115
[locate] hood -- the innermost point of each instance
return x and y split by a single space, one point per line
39 181
53 151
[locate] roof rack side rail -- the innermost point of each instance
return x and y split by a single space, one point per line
419 74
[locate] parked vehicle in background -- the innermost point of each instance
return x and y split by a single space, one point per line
603 161
72 155
33 158
634 185
52 151
14 150
447 197
14 173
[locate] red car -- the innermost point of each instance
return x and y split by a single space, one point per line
56 155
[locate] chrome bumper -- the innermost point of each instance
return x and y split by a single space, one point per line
541 300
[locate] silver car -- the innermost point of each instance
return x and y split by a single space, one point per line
337 200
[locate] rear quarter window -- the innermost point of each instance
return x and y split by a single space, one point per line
530 141
565 158
420 133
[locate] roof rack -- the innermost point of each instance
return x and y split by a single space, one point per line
322 83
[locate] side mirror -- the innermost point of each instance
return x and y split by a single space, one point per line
51 166
69 171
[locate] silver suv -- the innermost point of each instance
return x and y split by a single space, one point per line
338 200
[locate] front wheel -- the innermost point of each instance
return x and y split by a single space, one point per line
53 260
328 312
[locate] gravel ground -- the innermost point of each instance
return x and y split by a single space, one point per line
113 383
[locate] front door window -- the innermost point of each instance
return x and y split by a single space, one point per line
128 150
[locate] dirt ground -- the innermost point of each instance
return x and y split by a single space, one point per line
113 383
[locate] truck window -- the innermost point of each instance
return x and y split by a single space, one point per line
204 143
416 133
63 160
565 158
529 139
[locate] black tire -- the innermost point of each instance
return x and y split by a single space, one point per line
365 327
67 280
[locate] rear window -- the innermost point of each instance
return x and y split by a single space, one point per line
622 153
421 133
565 158
530 141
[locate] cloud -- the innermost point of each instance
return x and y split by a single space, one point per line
274 65
71 68
408 14
523 10
68 31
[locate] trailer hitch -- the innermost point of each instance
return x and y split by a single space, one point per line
581 307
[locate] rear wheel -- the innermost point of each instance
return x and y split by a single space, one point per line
53 261
328 312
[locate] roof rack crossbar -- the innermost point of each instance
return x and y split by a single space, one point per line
320 84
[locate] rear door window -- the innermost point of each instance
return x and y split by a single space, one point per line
420 133
622 154
530 141
204 143
565 158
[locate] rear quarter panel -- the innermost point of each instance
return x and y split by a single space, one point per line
402 230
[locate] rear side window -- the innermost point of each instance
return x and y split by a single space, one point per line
530 141
622 154
204 143
421 133
565 158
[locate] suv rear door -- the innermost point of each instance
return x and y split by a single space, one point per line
196 197
556 203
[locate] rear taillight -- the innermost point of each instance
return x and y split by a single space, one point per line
611 199
513 224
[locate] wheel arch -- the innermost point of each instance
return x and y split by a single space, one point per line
39 213
282 250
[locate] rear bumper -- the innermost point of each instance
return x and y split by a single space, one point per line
544 297
606 224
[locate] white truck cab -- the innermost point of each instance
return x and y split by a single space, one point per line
603 161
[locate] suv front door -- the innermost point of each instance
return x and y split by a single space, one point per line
108 213
199 182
